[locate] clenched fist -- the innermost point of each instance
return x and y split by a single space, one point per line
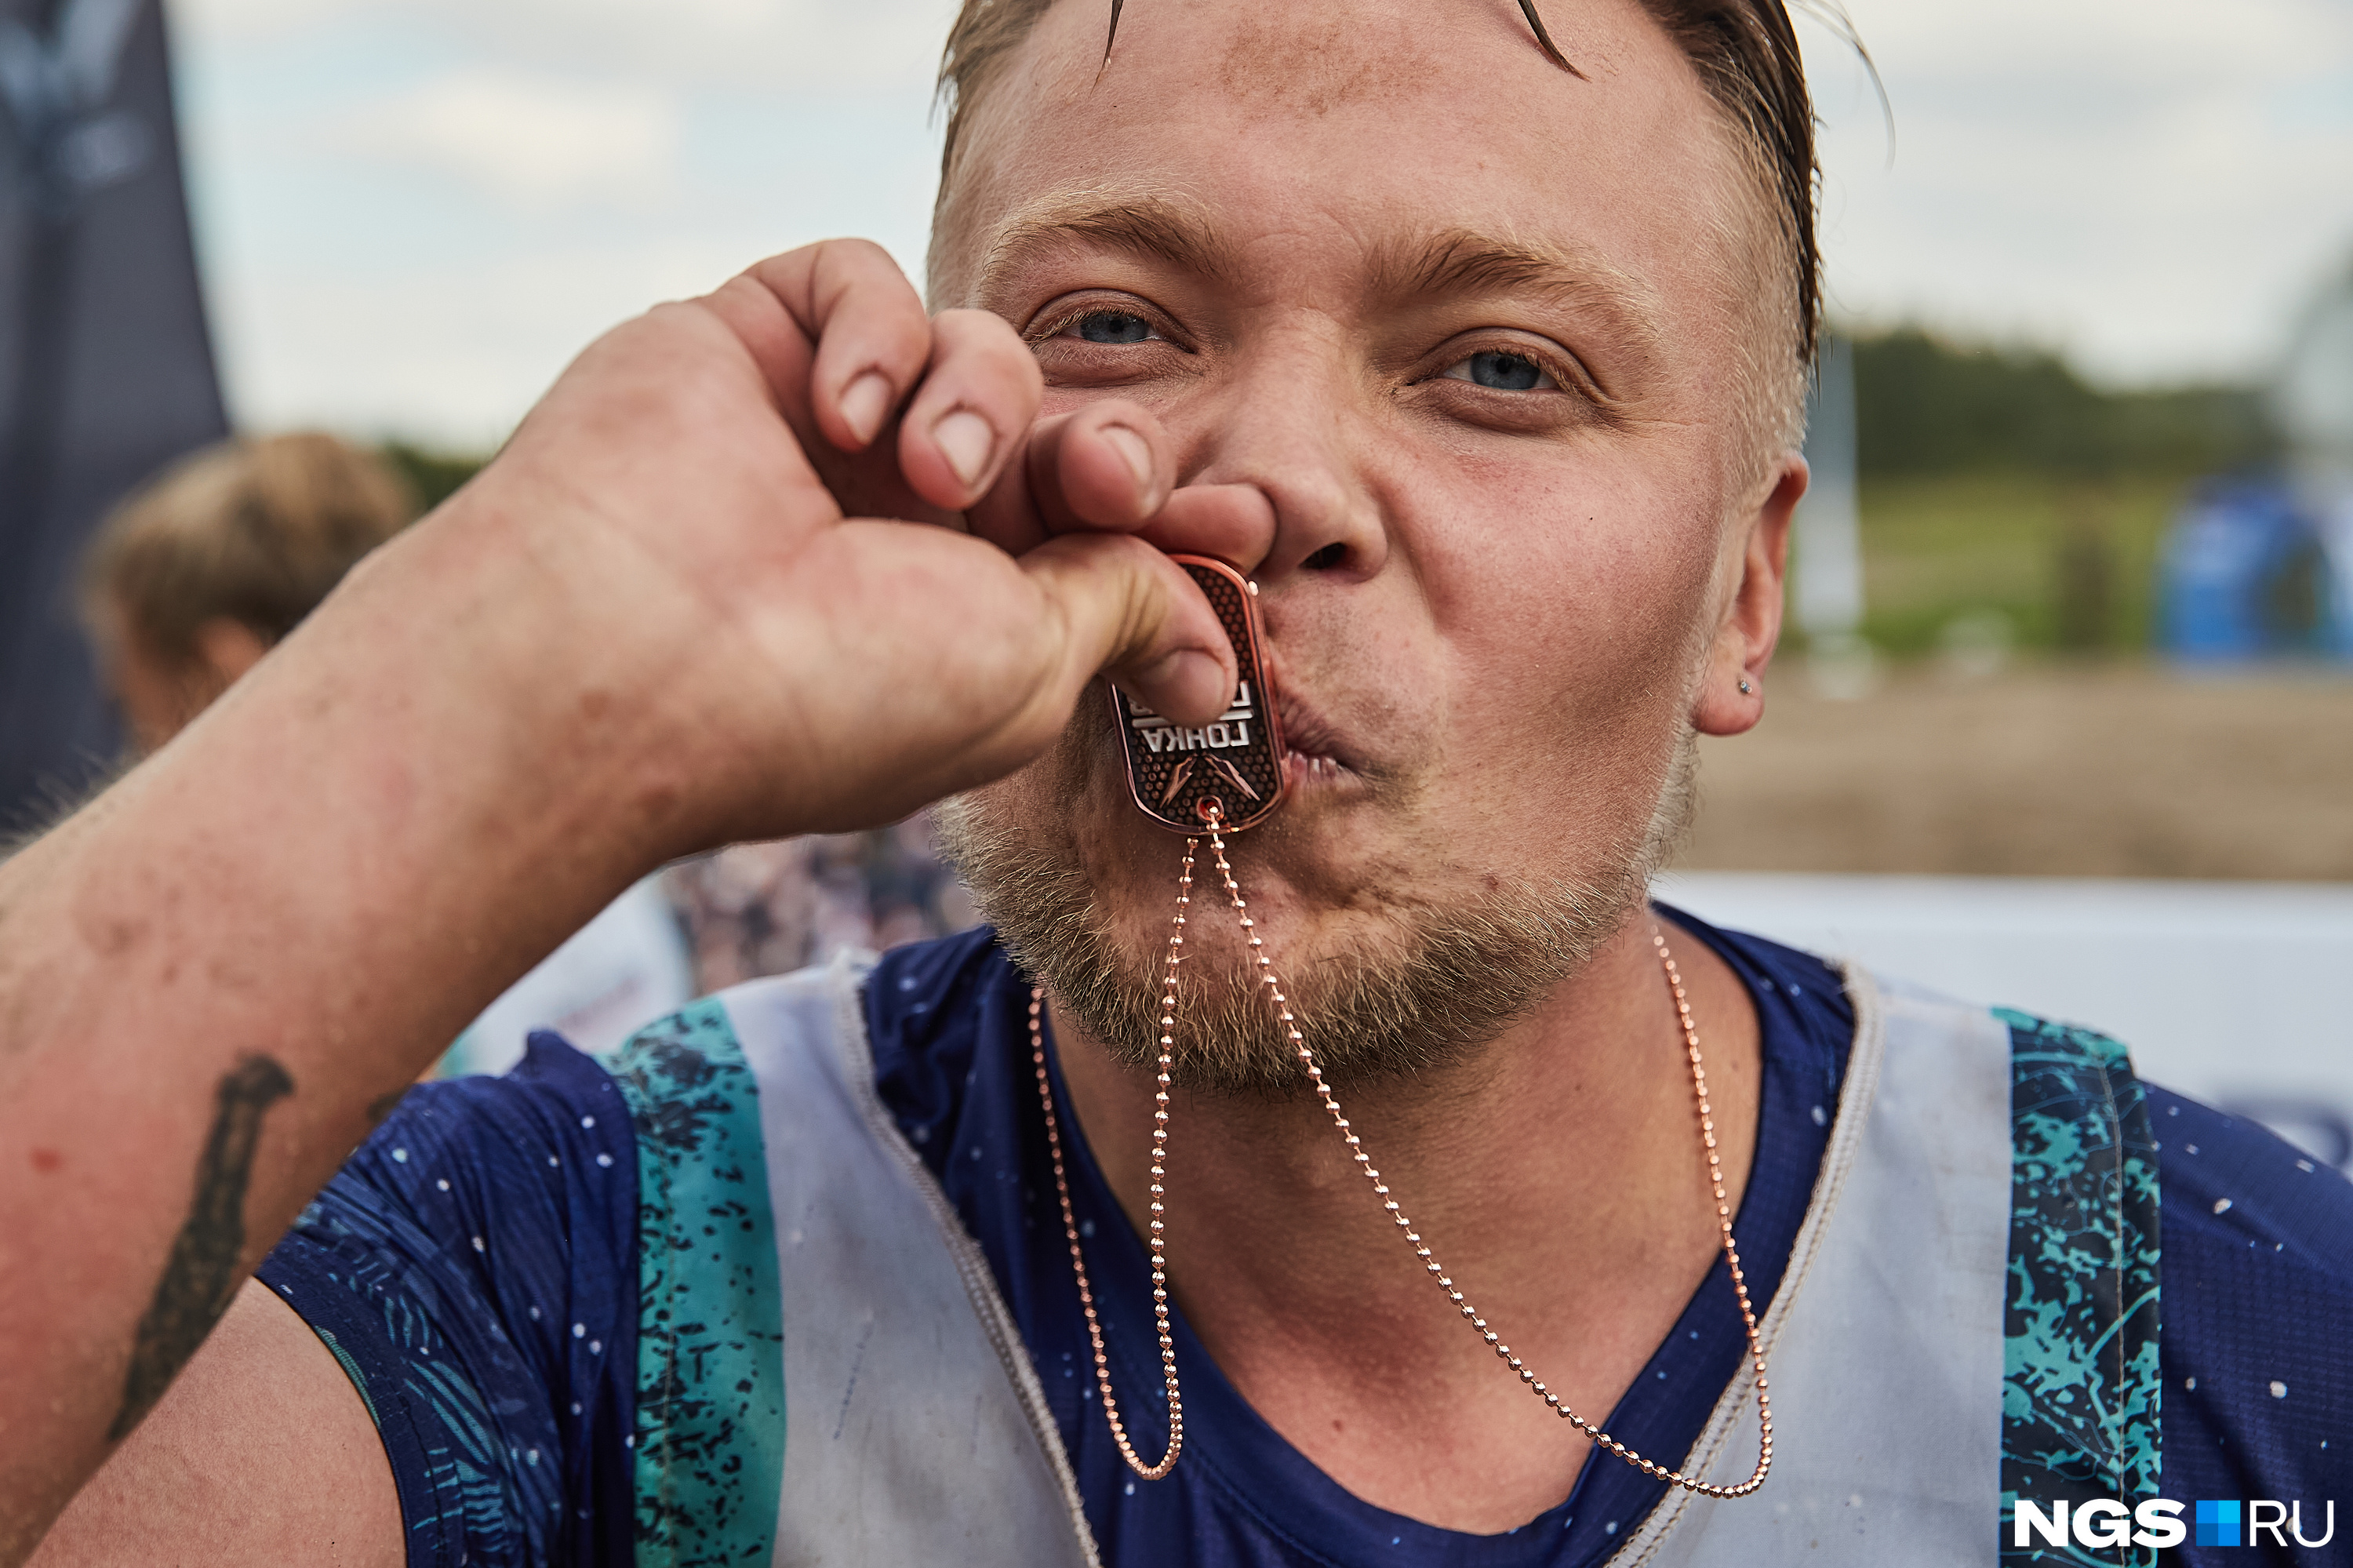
721 490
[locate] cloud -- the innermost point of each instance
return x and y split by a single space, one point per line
2155 184
539 140
829 44
2150 45
439 307
452 353
247 21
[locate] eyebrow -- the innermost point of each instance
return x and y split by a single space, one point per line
1464 261
1149 225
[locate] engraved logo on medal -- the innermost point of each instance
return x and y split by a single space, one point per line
1232 729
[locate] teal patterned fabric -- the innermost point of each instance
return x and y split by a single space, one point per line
2081 1387
709 1433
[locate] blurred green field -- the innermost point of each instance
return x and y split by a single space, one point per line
2009 503
2063 563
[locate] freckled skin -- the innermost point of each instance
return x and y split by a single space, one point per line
1501 615
1306 64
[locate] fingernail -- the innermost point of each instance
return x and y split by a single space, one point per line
865 404
1137 453
966 440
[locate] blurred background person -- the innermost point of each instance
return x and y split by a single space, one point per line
191 581
206 567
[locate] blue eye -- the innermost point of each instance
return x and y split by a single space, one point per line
1502 371
1111 326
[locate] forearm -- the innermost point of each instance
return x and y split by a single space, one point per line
646 628
212 977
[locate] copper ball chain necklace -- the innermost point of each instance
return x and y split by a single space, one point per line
1156 1238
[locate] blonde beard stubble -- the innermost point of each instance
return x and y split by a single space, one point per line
1442 982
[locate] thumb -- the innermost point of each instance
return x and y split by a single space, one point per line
1132 614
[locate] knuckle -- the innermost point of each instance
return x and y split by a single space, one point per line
863 268
907 336
986 331
862 256
982 323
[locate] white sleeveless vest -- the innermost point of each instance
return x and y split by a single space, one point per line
916 1431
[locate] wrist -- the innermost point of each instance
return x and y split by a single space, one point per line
504 648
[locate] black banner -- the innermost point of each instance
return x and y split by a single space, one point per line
105 367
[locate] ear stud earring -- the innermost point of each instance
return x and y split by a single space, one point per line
1745 689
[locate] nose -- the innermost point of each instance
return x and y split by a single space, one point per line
1272 462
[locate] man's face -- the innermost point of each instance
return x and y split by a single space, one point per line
1474 331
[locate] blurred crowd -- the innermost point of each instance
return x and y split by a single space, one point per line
769 908
195 576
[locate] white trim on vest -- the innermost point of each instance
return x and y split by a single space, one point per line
916 1430
1885 1336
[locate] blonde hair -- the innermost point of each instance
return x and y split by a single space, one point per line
256 531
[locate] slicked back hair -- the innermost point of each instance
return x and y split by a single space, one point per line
1745 52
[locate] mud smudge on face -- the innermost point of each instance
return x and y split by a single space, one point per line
1284 62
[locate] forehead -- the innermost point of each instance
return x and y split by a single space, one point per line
1357 125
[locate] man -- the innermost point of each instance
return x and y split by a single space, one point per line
1480 351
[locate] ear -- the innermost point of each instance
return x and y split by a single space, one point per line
1751 623
227 649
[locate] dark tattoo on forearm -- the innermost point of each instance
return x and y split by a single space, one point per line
201 1275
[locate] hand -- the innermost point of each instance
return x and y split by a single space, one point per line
716 476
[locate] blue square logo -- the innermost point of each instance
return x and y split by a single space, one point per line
2218 1522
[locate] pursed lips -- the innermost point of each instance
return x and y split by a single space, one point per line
1314 753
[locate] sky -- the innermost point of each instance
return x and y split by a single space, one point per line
412 212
